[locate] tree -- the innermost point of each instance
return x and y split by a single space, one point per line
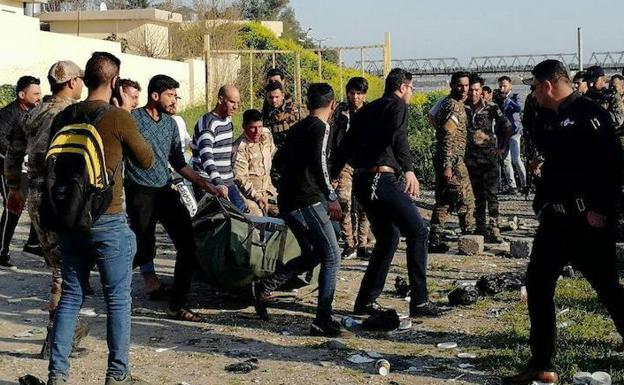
262 9
139 4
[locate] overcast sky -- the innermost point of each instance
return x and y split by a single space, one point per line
462 29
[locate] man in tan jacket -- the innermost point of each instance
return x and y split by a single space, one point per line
253 155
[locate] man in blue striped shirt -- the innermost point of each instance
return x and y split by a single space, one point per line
212 145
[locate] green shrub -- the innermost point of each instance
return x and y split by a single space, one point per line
7 94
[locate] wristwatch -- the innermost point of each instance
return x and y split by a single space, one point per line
332 197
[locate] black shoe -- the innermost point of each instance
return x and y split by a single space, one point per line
369 309
32 250
330 329
349 253
430 309
363 253
439 248
5 263
261 300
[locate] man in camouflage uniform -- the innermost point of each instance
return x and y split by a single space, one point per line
353 213
488 136
253 156
453 191
31 137
607 98
279 113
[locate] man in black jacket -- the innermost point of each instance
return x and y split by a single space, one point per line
305 198
376 147
581 177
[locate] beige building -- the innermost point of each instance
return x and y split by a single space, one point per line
19 7
145 31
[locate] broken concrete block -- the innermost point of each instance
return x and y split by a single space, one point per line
471 244
521 247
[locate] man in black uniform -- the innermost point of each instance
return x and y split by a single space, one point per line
376 147
575 202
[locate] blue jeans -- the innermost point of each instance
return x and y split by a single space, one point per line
111 245
236 198
317 240
391 212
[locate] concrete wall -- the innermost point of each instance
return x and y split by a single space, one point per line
35 51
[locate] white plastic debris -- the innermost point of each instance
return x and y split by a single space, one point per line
600 378
88 312
466 366
161 350
467 355
582 378
374 355
447 345
405 324
359 359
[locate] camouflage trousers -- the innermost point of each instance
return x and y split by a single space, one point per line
453 196
354 216
47 240
484 179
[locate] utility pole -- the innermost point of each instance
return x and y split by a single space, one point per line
579 38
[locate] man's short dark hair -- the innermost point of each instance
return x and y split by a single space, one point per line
579 76
162 83
251 116
319 95
24 82
273 85
358 84
503 78
125 83
459 75
396 78
275 72
617 76
486 89
475 78
101 68
550 70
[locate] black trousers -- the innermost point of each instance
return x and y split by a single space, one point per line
8 220
391 212
147 206
562 239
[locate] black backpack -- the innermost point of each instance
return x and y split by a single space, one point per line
77 189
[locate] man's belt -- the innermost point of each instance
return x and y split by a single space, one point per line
573 206
379 169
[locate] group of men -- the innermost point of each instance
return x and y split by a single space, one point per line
298 169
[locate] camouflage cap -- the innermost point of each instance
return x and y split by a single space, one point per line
63 71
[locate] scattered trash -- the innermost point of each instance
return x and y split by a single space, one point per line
335 345
161 350
156 339
496 283
510 225
383 367
30 380
374 355
14 300
564 311
568 272
565 324
401 286
414 369
407 299
524 296
383 321
600 378
88 312
405 324
285 333
349 323
467 355
326 364
28 333
466 366
496 312
359 359
582 378
447 345
243 367
463 295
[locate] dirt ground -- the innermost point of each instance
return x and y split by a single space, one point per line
164 351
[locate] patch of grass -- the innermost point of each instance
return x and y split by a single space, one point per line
588 344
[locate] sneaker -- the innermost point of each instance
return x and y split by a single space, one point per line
31 250
439 248
349 253
261 300
363 253
531 375
5 264
330 329
429 309
129 380
369 309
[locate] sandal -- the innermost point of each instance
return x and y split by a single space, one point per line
164 290
184 314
